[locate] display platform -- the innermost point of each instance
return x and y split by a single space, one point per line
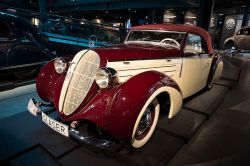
224 139
10 84
26 140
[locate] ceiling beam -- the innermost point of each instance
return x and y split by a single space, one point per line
118 5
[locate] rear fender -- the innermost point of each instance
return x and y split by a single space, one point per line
133 95
216 69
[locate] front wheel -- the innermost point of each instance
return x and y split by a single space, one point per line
230 46
145 123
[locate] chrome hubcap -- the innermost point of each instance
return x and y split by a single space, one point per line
145 122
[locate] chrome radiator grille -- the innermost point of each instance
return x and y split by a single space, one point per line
78 81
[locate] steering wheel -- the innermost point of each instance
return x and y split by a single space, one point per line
171 41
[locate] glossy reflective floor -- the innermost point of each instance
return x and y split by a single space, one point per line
213 128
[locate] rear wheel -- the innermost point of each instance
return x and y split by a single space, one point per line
216 75
210 85
145 124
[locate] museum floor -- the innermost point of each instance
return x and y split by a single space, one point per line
225 138
213 128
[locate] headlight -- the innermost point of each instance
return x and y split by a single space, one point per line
102 78
60 65
105 77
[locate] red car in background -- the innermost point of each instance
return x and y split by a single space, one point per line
123 88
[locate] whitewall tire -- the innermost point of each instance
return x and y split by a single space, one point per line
145 123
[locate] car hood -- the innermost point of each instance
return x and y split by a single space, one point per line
137 51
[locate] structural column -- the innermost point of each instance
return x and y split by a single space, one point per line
246 18
42 6
42 9
205 12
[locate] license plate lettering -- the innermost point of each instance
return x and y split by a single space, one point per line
55 125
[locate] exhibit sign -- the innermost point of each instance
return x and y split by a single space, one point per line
169 17
231 24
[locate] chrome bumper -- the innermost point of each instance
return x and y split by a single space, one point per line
73 133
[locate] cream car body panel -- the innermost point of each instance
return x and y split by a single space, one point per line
189 73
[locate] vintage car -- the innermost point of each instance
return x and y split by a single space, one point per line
240 40
22 47
123 88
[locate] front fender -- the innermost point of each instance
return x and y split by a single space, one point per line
47 82
230 39
216 69
133 95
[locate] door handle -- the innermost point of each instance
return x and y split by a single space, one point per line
169 60
126 62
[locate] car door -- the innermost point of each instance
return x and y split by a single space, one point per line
5 42
127 69
195 66
246 39
239 39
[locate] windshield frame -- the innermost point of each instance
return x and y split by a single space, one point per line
157 43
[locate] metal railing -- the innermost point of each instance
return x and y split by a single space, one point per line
68 26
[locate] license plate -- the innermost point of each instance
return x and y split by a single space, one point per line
33 109
55 125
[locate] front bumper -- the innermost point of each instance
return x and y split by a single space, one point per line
35 108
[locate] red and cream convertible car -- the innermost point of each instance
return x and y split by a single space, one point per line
123 88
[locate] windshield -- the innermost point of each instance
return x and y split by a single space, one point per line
165 38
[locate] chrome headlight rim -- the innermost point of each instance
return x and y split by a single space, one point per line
60 65
109 77
102 78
